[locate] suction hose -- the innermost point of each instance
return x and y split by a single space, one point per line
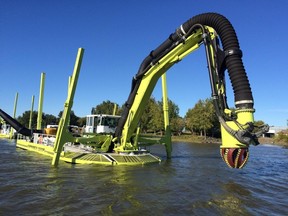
241 87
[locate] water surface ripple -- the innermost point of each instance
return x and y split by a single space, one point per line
194 182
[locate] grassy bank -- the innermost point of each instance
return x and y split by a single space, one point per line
201 139
273 141
195 139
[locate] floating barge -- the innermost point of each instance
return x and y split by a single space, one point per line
6 136
96 145
81 154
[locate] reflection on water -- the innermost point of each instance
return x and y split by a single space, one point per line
194 182
232 202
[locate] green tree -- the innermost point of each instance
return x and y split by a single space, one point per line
193 117
201 118
172 107
81 121
106 107
46 119
49 119
149 120
73 118
208 116
152 118
25 118
176 122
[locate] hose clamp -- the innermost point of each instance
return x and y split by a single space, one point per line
230 52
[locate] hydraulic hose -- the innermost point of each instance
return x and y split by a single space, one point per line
242 92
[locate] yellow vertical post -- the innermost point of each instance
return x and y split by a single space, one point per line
69 85
115 109
15 105
62 135
40 104
14 114
31 112
168 143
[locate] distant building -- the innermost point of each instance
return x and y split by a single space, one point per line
274 130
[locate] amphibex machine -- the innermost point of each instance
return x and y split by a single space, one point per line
211 30
217 35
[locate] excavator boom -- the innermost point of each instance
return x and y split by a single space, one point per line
223 53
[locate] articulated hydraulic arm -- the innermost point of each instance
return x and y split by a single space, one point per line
236 126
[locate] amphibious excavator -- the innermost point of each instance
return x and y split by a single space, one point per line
223 53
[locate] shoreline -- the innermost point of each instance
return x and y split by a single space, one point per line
199 139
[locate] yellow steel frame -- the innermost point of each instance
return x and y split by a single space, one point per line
149 81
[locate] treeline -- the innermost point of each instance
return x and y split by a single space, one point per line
48 119
282 138
199 120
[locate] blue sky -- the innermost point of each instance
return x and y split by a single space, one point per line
44 36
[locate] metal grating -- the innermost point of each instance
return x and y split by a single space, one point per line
135 159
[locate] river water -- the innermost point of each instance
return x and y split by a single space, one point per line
194 182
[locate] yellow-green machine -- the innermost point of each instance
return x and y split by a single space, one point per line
223 53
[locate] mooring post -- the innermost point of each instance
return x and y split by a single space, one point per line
63 135
14 115
168 143
31 112
40 104
114 109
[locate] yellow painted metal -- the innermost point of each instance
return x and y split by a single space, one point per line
100 141
168 143
40 104
93 140
127 144
243 116
15 105
31 112
6 136
68 90
69 84
39 148
136 138
165 101
89 158
135 159
63 135
80 158
14 115
114 109
148 83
